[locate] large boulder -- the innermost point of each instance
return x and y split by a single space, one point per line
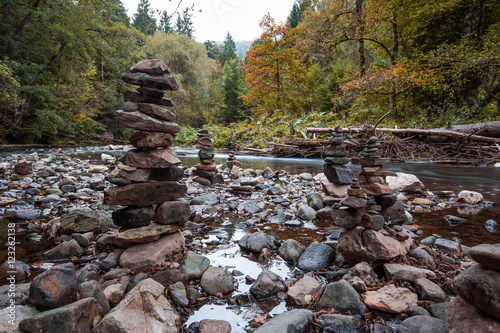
268 284
144 309
342 297
372 246
316 257
289 322
479 287
55 287
390 299
463 317
76 221
151 254
77 317
93 289
404 182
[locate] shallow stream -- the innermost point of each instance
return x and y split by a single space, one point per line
436 177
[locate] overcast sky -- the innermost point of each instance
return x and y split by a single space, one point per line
218 17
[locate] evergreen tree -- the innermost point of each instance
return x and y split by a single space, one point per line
184 25
213 50
165 25
298 9
228 50
234 87
144 19
119 13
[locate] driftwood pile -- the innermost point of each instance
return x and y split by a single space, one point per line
477 144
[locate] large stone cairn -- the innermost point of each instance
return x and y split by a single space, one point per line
368 211
336 155
147 177
207 167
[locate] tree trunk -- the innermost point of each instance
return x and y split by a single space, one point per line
360 32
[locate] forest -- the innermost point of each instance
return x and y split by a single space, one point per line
416 63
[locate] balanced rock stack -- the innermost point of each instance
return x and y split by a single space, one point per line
373 181
370 216
338 175
477 305
233 165
148 176
207 167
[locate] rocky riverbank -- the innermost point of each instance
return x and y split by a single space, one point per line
95 276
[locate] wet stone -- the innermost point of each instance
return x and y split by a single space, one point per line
316 257
132 217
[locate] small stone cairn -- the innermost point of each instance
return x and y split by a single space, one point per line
207 167
233 166
148 176
367 213
336 154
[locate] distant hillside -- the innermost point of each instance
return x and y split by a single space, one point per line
242 47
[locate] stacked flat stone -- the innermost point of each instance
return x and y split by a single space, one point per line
148 176
336 155
368 212
231 162
373 181
207 167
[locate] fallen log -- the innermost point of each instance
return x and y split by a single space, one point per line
411 131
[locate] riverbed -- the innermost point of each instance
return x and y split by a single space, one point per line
436 177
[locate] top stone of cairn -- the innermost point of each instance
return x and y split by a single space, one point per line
152 66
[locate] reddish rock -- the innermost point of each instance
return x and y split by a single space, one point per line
144 309
390 299
207 148
463 317
151 254
214 326
136 97
334 190
150 159
141 121
55 287
371 246
205 141
151 140
155 110
206 167
150 66
305 286
144 194
375 189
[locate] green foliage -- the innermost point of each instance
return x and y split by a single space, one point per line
184 24
194 71
144 19
228 51
165 23
213 50
297 12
